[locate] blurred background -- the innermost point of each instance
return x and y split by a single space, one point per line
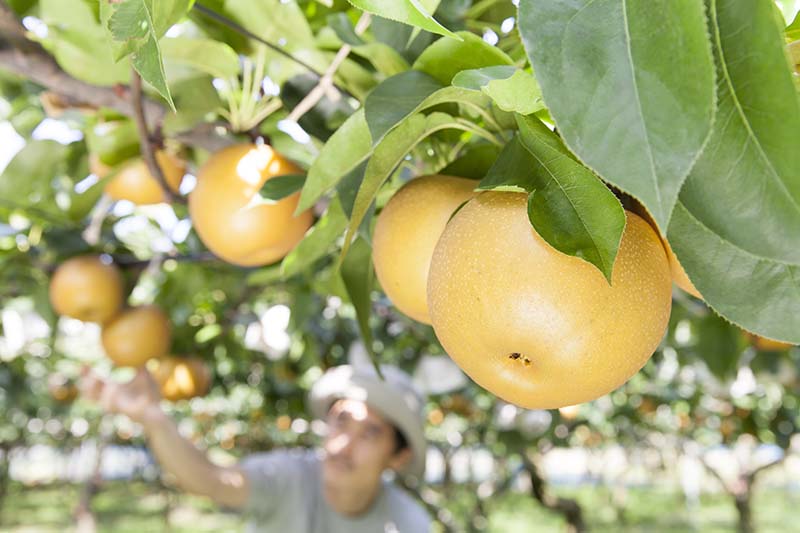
703 438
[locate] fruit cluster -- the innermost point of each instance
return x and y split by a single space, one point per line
91 288
534 326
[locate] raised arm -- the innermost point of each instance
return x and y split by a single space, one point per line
139 400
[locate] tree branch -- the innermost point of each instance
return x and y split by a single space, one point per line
751 476
725 485
145 142
325 83
30 60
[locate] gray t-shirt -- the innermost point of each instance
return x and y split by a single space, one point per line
286 497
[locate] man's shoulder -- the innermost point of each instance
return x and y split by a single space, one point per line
285 466
404 506
283 456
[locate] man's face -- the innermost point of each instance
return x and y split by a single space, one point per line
359 446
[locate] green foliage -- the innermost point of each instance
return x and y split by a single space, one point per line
569 207
416 13
506 86
741 202
282 186
79 43
406 103
614 82
136 26
446 57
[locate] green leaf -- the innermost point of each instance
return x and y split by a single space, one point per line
79 43
27 181
129 20
359 278
616 82
148 63
279 187
737 228
390 152
275 21
512 89
137 26
206 55
417 13
395 99
340 23
793 29
383 57
474 163
568 206
81 204
445 58
317 241
195 99
138 19
346 148
113 142
401 96
717 345
347 188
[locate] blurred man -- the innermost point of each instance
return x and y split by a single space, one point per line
374 425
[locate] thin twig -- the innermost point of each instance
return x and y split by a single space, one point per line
326 81
93 231
238 28
144 139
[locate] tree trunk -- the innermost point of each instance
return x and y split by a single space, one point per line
742 492
4 462
85 521
743 502
571 510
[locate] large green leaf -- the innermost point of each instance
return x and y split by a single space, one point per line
359 278
512 89
417 13
206 55
737 229
630 84
445 58
345 149
568 206
391 151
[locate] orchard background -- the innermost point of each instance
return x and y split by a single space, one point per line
684 110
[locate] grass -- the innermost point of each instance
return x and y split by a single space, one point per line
133 507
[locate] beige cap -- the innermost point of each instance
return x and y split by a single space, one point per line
396 398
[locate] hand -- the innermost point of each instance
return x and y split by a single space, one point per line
138 398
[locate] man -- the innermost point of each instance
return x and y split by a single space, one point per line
374 425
